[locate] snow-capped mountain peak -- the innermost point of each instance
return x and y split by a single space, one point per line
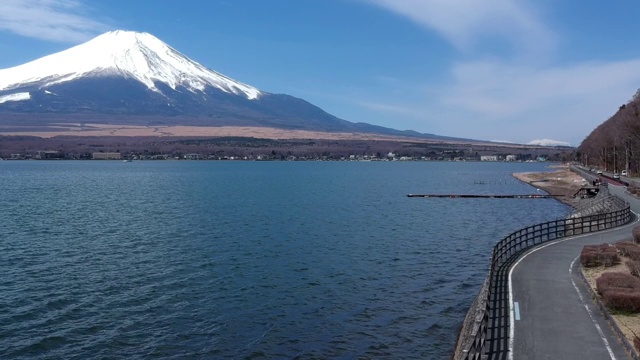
140 56
548 142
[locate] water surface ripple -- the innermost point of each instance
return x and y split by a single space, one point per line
247 259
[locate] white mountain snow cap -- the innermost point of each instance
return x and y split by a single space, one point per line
548 142
141 56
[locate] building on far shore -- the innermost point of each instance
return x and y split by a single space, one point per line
106 156
48 155
489 158
193 156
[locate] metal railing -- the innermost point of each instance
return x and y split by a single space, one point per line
597 204
492 337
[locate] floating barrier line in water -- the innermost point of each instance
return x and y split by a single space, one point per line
478 196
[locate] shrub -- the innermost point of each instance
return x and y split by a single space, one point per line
598 255
634 267
616 280
636 234
620 291
623 300
629 250
601 247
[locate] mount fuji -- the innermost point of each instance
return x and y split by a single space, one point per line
137 56
125 77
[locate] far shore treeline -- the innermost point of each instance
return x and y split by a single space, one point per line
615 144
246 148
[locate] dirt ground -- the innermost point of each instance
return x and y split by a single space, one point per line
71 129
629 324
560 182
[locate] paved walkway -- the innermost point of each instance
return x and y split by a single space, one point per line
555 317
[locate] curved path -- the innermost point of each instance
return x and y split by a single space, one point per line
553 316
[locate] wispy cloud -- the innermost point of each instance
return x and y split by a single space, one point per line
52 20
501 90
559 102
519 93
392 108
465 23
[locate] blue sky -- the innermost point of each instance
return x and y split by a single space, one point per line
516 70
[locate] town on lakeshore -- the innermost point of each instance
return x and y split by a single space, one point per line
264 149
57 155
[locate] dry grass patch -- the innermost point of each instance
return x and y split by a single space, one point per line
260 132
618 283
636 234
629 250
562 182
634 267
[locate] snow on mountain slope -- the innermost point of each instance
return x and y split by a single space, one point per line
136 55
548 142
15 97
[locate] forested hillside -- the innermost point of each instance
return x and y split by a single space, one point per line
615 144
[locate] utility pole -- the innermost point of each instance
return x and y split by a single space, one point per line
626 156
615 165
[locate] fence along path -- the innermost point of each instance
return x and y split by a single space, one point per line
491 337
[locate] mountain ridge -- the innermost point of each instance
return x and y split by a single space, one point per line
133 76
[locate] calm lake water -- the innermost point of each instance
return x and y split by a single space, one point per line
247 260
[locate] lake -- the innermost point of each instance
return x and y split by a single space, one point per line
248 260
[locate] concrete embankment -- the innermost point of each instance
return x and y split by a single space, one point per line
471 322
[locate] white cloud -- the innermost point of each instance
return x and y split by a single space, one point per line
465 23
53 20
499 90
546 102
489 100
517 94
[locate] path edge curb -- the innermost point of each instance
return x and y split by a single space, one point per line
603 310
